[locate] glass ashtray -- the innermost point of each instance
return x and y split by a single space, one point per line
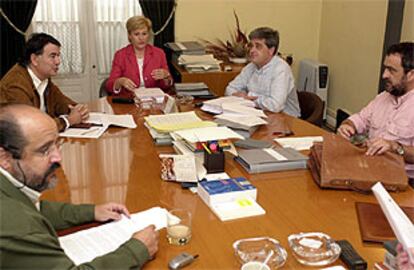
184 99
314 248
258 249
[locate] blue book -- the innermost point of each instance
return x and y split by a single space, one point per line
226 190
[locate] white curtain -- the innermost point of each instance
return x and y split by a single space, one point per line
60 18
80 23
111 33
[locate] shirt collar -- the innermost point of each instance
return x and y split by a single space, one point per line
35 79
33 195
266 66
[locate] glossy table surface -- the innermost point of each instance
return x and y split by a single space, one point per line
123 166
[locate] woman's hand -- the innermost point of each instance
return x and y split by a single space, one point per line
125 83
160 74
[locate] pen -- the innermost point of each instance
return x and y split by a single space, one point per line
205 147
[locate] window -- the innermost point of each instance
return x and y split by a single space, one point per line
87 29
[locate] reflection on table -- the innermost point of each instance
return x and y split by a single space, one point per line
123 166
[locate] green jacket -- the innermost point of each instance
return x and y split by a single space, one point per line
28 237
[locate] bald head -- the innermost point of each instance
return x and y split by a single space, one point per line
18 124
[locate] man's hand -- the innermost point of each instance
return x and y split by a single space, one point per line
149 237
378 146
78 113
110 211
346 130
125 83
403 260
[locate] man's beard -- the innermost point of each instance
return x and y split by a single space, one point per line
396 90
33 181
45 184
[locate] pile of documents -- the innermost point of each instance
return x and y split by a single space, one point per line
237 113
99 122
215 106
199 63
176 121
150 94
186 47
198 89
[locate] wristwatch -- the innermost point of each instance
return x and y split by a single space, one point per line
400 149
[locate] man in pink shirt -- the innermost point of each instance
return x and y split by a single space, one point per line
388 120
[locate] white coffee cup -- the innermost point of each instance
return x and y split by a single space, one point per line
255 265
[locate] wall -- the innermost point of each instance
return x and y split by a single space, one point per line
407 33
298 22
352 34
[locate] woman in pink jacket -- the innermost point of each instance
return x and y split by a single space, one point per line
139 64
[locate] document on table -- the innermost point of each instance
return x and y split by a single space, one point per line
240 109
398 220
242 120
299 143
150 93
103 119
176 121
205 134
86 245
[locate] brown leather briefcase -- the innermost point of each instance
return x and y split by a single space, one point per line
336 163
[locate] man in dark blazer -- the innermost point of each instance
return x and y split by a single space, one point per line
29 156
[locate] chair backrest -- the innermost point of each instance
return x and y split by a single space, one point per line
102 89
311 107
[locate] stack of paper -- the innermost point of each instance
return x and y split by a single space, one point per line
150 94
176 121
186 47
199 89
102 121
205 134
199 63
159 138
299 143
215 106
86 245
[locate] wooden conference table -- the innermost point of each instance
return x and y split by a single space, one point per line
123 166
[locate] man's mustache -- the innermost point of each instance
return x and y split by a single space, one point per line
45 184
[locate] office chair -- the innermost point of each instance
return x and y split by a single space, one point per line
102 89
311 107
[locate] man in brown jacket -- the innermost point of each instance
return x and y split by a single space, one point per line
28 82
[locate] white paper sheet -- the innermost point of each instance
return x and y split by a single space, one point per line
84 246
299 143
398 220
207 134
243 110
121 120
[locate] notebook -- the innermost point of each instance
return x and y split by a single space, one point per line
373 225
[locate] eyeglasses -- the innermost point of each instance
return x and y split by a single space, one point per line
57 145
